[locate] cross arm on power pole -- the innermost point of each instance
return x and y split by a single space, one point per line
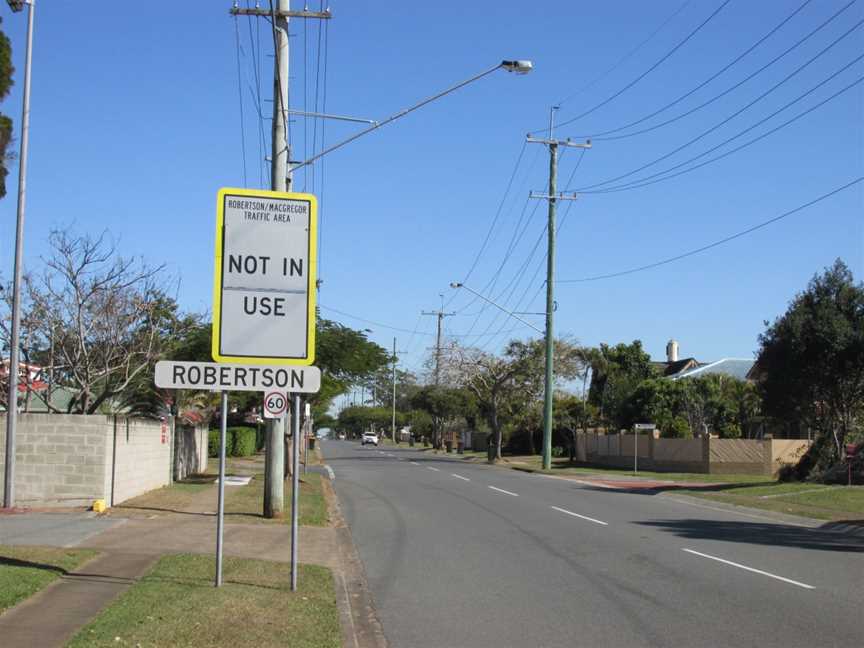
558 196
565 142
266 13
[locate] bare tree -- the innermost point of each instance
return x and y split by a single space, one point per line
108 316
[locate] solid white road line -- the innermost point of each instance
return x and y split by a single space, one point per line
460 477
431 468
750 569
501 490
330 472
584 517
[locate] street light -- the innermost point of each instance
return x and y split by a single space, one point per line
520 67
12 374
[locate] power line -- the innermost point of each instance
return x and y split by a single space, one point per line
507 253
539 267
660 176
240 98
605 135
733 115
616 65
645 73
497 212
722 241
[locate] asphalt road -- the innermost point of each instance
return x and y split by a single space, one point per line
462 555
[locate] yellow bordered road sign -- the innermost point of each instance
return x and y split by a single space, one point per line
264 279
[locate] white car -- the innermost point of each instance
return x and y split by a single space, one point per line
369 437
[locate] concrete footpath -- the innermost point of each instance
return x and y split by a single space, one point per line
129 547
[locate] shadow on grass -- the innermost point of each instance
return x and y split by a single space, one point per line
782 535
17 562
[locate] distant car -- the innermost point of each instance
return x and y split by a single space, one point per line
369 437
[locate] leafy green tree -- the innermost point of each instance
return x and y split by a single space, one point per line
6 71
616 372
345 357
811 361
444 406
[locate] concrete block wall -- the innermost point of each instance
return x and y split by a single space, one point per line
143 458
60 459
70 460
190 450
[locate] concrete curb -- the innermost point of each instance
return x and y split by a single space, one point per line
361 627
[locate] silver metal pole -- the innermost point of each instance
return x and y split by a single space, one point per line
635 451
220 511
295 486
393 417
12 403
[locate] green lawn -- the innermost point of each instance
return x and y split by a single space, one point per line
818 501
245 503
176 605
174 498
26 570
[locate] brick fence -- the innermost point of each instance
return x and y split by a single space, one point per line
71 460
702 455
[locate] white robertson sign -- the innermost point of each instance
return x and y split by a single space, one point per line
231 377
264 283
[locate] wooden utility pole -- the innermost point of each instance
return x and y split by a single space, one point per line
552 198
280 180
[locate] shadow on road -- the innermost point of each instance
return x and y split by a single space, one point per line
773 534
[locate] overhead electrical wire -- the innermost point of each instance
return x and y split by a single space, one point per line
520 301
730 117
717 243
630 53
660 176
240 97
490 232
607 135
645 73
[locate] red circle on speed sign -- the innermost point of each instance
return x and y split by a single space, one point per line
275 403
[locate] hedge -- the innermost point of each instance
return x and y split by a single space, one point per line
239 442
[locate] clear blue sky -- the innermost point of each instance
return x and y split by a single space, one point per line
136 124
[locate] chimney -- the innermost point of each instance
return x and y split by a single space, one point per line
672 351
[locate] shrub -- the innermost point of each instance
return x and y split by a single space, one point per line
558 451
213 443
241 441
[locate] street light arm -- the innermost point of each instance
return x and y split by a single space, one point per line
508 65
501 308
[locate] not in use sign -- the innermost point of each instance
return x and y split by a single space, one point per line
264 284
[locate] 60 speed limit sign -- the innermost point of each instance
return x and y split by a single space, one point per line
275 404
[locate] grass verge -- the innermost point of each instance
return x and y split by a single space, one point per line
26 570
176 605
175 498
246 502
833 503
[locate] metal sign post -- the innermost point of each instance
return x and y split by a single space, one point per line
220 511
650 427
295 485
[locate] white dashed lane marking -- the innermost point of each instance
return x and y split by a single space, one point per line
431 468
582 517
506 492
750 569
460 477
